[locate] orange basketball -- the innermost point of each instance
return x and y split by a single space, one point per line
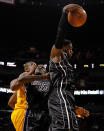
77 16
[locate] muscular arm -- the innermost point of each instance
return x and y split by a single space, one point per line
31 78
57 48
22 80
15 85
61 32
12 101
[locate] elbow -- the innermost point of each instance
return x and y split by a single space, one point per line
8 103
12 88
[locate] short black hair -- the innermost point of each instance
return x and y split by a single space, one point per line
67 42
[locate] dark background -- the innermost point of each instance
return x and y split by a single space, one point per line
38 23
34 23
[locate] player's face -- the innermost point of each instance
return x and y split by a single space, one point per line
30 66
40 69
26 68
68 50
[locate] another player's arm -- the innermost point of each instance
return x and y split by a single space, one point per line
22 80
15 84
13 100
31 78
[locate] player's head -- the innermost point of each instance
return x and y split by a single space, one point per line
67 48
29 65
40 69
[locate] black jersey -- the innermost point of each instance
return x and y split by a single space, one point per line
37 114
37 92
62 76
61 102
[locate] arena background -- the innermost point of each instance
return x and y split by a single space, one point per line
27 32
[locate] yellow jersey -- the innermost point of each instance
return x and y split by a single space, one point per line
21 99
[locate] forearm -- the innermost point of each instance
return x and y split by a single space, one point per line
62 27
30 78
16 84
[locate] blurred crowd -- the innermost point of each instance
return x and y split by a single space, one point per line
80 56
35 51
87 55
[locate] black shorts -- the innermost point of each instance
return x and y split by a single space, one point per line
62 113
36 121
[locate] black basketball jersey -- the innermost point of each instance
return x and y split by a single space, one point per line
37 93
62 77
61 102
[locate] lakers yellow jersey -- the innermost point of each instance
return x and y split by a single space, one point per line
21 99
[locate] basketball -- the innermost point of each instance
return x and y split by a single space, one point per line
77 16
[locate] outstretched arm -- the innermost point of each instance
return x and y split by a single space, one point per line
12 101
22 80
31 78
61 32
57 48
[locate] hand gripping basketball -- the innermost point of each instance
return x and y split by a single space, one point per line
77 16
